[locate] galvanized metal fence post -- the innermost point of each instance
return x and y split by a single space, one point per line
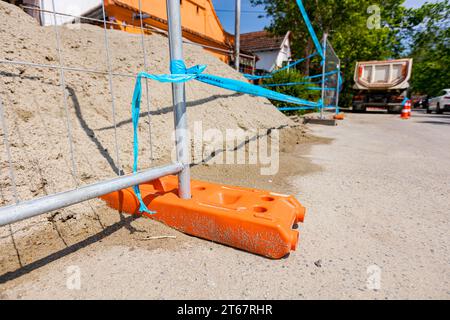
237 35
338 86
324 68
179 100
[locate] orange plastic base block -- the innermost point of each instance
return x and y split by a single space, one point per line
339 116
256 221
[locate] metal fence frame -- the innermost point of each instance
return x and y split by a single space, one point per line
329 51
26 209
338 75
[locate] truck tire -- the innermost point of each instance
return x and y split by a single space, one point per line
395 109
358 109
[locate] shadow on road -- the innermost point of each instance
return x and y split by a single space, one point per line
124 223
436 122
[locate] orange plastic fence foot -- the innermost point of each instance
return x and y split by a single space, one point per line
257 221
339 116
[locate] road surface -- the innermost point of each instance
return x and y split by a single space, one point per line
377 227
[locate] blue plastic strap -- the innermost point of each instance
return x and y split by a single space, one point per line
301 108
231 84
291 84
254 77
404 101
310 28
296 63
322 74
295 108
320 89
244 87
181 74
135 111
313 35
270 75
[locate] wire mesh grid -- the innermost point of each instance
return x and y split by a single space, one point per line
332 80
55 69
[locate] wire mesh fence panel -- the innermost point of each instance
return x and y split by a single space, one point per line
65 94
332 77
66 124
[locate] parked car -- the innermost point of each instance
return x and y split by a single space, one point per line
420 102
441 103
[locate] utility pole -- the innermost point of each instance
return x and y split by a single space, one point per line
237 34
324 70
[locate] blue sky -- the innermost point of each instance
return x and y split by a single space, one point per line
249 18
416 3
250 21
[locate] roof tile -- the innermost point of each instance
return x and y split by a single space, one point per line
260 41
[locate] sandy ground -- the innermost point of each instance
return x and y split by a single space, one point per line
377 228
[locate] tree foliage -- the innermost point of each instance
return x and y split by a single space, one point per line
299 91
357 34
426 34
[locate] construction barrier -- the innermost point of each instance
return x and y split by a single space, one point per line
257 221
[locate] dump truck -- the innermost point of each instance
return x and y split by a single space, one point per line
381 85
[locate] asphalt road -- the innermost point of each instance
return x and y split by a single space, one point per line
377 228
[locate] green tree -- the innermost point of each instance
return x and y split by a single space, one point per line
426 37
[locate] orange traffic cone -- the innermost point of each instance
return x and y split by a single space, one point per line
405 113
408 108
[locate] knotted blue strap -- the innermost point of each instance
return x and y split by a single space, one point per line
179 74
